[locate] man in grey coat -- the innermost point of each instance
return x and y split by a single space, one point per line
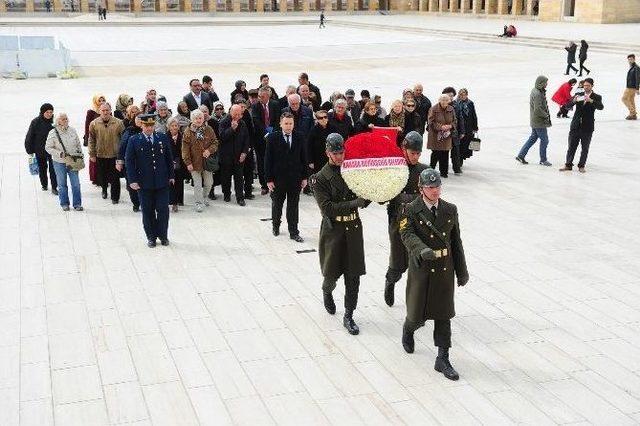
540 121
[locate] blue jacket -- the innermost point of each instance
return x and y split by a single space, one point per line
124 140
150 166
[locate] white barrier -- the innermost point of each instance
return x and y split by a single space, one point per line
36 56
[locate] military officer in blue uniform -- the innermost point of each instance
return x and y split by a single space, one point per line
150 170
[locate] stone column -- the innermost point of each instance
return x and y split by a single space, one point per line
137 5
550 10
28 7
283 6
453 6
433 5
162 6
350 6
260 6
3 7
503 7
305 5
476 6
111 6
516 9
444 5
57 5
465 7
235 5
423 6
373 5
491 7
187 6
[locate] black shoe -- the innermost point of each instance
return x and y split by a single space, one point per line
297 238
521 160
164 242
276 231
136 209
212 196
114 201
350 324
389 295
329 304
249 196
407 341
444 366
151 243
104 195
54 191
44 188
241 203
227 198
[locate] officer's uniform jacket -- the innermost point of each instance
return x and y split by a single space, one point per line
149 165
341 246
430 284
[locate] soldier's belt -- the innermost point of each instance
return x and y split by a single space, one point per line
441 253
349 218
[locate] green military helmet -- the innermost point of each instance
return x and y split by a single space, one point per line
335 143
413 141
429 178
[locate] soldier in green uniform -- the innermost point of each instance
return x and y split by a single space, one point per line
430 230
341 246
398 262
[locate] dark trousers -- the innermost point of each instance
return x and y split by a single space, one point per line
441 332
582 67
571 67
235 171
133 194
441 157
260 147
155 212
176 192
563 112
455 158
108 175
577 137
45 162
249 167
291 193
351 290
398 259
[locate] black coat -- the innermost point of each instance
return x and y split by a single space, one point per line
318 100
362 125
317 144
204 99
37 135
571 53
181 171
244 93
213 96
303 120
583 51
233 142
257 114
423 105
633 77
284 165
344 126
583 118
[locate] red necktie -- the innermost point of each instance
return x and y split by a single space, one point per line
266 115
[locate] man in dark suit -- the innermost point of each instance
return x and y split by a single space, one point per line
233 151
582 125
286 174
207 87
197 96
302 115
150 171
266 116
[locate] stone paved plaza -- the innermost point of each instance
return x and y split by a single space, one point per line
226 326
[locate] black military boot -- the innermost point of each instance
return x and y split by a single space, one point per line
329 304
407 340
444 366
389 295
349 323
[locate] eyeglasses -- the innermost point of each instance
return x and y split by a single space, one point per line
411 106
218 109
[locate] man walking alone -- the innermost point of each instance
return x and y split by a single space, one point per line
540 121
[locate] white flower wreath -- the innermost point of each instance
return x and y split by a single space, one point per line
376 179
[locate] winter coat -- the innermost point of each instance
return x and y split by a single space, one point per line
583 51
316 146
583 118
362 125
343 125
562 95
633 77
124 140
70 139
538 107
104 138
36 138
192 147
233 142
438 117
571 53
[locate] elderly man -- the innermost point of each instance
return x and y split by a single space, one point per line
423 105
197 96
303 79
104 142
150 171
302 116
305 96
266 116
341 245
283 102
233 150
430 231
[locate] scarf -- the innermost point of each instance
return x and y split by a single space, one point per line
95 105
464 106
198 131
123 102
396 120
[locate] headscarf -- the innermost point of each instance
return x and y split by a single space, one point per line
396 119
95 104
123 102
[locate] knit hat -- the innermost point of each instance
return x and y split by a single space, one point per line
46 107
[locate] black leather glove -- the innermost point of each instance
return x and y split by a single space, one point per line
360 203
427 254
463 280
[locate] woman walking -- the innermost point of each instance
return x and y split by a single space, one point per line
198 143
92 114
582 56
470 118
176 190
571 57
63 142
441 124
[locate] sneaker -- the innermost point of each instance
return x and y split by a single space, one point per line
566 169
582 170
521 160
199 208
65 208
545 163
78 208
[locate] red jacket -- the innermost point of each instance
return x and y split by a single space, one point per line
562 95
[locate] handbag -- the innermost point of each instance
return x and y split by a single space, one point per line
474 143
34 169
212 163
73 162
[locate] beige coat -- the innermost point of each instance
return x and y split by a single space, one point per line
104 139
193 148
71 141
436 119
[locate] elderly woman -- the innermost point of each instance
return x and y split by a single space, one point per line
92 114
198 143
339 118
130 115
63 141
183 115
122 103
369 119
218 111
162 117
239 92
396 119
176 190
468 112
412 121
441 124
